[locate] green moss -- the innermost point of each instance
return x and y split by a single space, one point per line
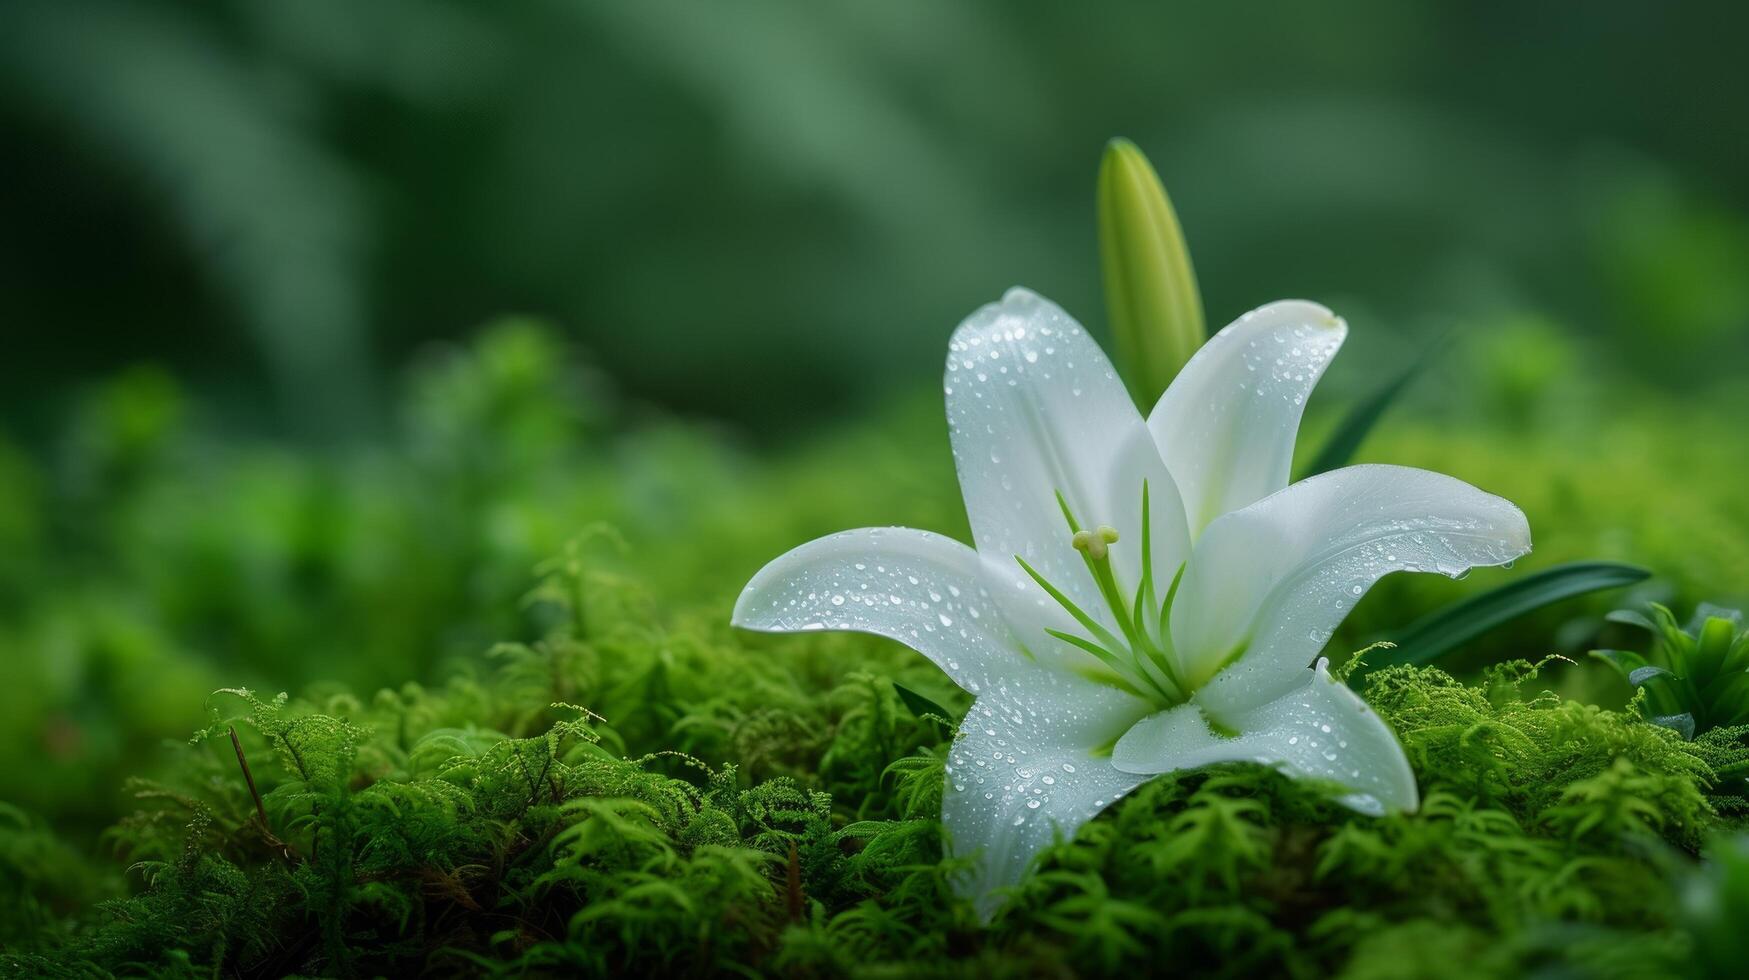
623 784
744 806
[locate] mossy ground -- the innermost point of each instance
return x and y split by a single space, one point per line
623 784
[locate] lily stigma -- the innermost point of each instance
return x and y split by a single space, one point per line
1145 595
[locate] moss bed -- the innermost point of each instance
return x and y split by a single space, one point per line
624 785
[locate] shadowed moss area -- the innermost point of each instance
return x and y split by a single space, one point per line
522 738
736 806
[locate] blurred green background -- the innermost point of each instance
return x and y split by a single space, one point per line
770 210
252 429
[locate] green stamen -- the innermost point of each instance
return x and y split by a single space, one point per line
1138 656
1166 607
1068 515
1103 655
1100 633
1159 652
1146 586
1095 550
1169 649
1101 675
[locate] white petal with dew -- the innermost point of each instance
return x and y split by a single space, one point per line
922 589
1032 761
1035 409
1319 730
1227 424
1275 579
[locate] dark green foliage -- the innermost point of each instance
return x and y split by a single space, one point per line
1713 907
43 882
1694 680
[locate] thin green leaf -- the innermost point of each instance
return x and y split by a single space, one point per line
1737 658
1345 441
1629 617
1729 699
1677 644
1625 662
1640 676
918 704
1682 724
1710 646
1666 693
1436 635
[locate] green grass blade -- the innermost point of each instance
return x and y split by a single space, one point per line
1625 662
918 704
1436 635
1345 441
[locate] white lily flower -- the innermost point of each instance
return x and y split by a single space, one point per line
1145 596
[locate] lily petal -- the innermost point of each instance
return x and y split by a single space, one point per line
1226 425
1319 730
922 589
1268 584
1035 409
1032 760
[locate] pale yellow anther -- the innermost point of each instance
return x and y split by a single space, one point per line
1095 542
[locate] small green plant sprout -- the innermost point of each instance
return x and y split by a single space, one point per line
1151 299
1693 680
1146 595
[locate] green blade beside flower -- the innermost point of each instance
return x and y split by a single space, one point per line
1439 633
1345 440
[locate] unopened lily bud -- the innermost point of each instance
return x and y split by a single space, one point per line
1150 288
